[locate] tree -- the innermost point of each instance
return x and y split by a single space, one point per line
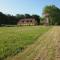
53 14
27 16
3 19
37 18
20 16
12 20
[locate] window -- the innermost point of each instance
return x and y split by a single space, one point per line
30 20
27 21
23 21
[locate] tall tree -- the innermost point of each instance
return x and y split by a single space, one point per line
53 14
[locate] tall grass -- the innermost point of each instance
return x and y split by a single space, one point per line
15 39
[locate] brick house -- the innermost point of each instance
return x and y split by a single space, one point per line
27 21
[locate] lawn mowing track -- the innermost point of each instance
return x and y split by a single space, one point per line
47 47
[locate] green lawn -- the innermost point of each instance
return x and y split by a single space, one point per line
15 39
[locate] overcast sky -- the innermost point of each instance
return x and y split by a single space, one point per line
14 7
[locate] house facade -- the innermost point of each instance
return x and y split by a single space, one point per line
27 21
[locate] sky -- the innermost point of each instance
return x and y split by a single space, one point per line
14 7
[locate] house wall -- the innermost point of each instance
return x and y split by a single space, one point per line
27 22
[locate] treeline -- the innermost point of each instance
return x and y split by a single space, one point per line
7 19
12 20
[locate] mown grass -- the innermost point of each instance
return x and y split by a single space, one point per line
15 39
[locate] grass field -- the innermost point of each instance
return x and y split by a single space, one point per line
15 39
45 47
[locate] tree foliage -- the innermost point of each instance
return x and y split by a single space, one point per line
37 18
27 16
12 20
53 14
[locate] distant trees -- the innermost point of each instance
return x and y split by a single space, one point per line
37 18
53 14
19 16
12 20
3 18
7 19
27 16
